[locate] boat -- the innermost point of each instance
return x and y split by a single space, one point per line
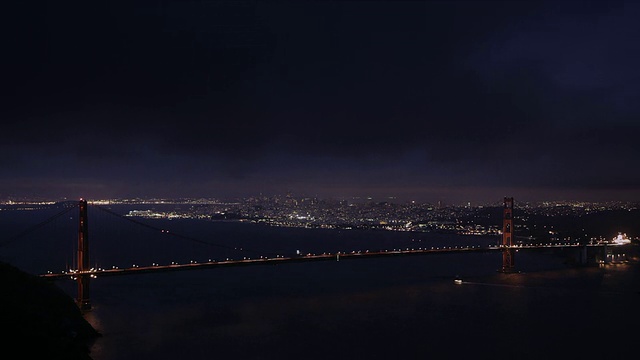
621 239
457 280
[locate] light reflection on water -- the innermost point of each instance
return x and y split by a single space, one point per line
378 308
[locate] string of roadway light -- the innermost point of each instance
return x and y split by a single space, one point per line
136 268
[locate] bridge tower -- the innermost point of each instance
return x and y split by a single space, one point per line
508 252
83 258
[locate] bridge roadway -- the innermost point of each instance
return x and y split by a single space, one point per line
115 271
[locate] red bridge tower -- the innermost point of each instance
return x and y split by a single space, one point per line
507 236
83 258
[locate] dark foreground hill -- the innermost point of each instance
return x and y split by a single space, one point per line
39 320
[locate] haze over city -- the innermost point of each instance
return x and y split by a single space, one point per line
421 100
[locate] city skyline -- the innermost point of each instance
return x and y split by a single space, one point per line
427 101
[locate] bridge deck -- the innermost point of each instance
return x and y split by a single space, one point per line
303 258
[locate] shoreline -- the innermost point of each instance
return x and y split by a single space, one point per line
36 311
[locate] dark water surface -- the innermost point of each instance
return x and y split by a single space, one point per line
381 308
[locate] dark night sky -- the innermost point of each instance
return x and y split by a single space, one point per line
422 100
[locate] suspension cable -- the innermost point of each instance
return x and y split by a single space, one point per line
36 226
189 238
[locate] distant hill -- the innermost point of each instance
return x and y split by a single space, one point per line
39 320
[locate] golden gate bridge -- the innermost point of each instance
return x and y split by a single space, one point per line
84 272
